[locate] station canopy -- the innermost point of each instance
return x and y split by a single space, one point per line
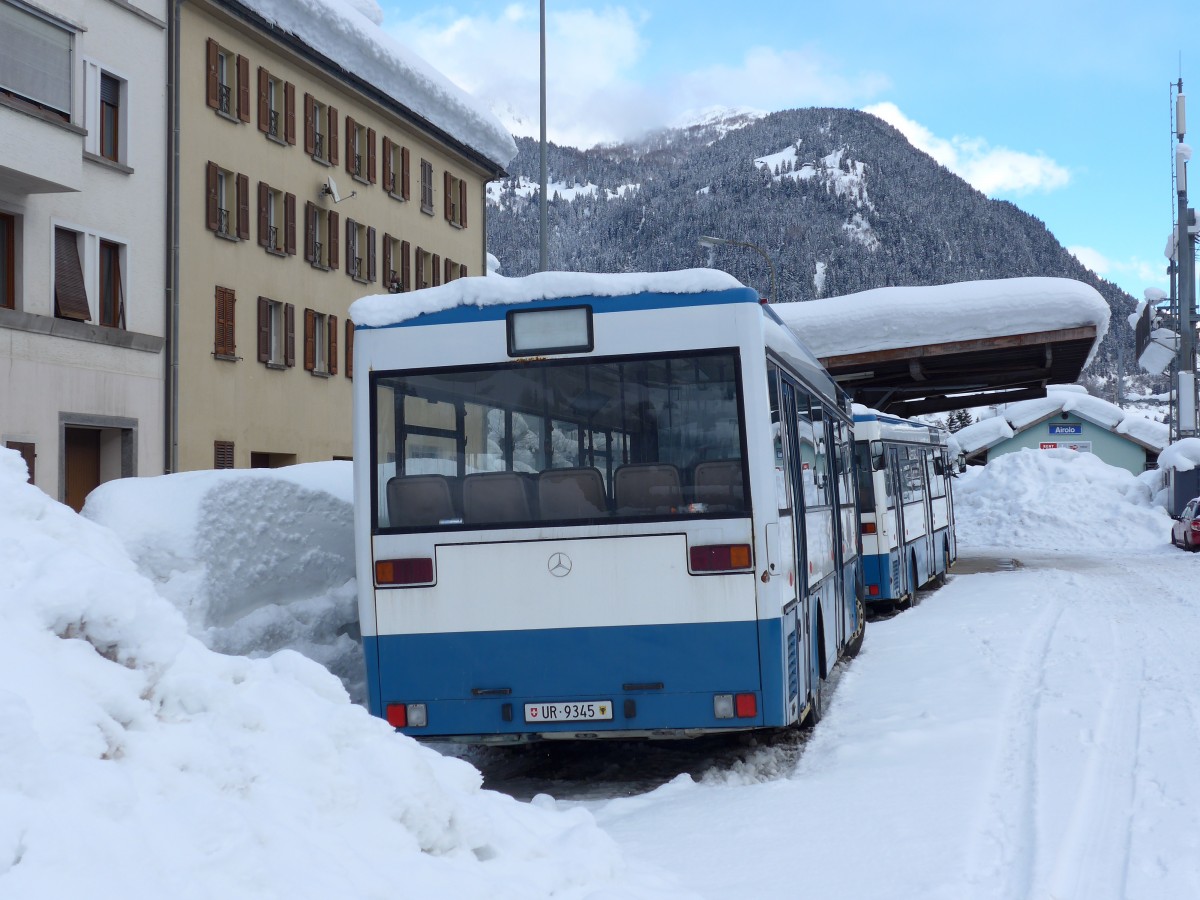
913 350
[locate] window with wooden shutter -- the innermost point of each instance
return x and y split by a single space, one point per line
310 125
462 202
427 187
212 199
222 454
310 346
332 357
419 282
349 348
405 266
289 224
264 330
224 336
389 183
213 75
243 207
70 296
437 269
353 156
447 194
405 182
371 155
310 237
289 334
289 112
264 101
352 258
390 279
243 88
264 215
333 136
333 240
370 254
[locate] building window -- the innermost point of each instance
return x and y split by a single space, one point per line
222 454
276 220
276 333
320 130
8 261
224 345
360 251
276 107
112 289
397 272
360 151
320 343
228 82
35 59
452 270
396 179
110 117
427 265
70 294
28 452
320 236
228 203
426 187
455 200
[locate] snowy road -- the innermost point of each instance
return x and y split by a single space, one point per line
1030 733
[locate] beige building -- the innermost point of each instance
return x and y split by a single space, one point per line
302 181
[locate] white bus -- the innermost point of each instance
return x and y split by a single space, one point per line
598 506
906 504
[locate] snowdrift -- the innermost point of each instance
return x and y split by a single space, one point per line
137 763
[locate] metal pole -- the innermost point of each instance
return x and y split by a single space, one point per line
1187 288
542 179
710 241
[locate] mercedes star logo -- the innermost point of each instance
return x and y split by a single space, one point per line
559 565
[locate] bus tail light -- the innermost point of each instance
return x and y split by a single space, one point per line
727 706
407 715
747 706
873 590
720 558
403 571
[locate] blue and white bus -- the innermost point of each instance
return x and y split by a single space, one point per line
906 505
598 506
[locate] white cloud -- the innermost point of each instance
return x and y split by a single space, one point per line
992 170
1093 259
593 91
1132 274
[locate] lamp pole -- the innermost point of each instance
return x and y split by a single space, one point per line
1186 267
707 240
542 179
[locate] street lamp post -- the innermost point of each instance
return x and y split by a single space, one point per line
710 241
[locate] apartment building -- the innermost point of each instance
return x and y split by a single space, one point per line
311 169
82 260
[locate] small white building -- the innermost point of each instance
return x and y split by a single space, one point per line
83 119
1068 418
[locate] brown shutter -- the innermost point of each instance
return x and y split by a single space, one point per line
212 213
243 74
264 105
371 155
350 147
289 327
289 112
333 239
289 224
310 216
264 220
70 297
462 203
387 260
405 182
437 270
224 340
310 351
331 330
349 348
419 281
448 268
462 271
405 266
243 207
447 202
213 81
310 124
370 254
351 245
223 454
264 330
333 136
387 166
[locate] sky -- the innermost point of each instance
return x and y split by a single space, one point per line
1062 107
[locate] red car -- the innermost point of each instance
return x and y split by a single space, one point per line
1185 532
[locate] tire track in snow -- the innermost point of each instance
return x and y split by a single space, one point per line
1002 857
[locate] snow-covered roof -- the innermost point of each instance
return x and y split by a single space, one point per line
390 309
349 33
1014 418
1183 455
892 317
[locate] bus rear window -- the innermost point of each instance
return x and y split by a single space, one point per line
558 442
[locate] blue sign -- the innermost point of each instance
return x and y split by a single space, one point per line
1066 429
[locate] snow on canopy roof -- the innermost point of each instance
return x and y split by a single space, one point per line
1183 455
391 309
892 317
349 34
1069 398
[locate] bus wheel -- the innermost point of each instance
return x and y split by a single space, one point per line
855 643
911 600
816 706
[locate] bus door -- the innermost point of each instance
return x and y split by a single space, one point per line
825 444
899 565
788 471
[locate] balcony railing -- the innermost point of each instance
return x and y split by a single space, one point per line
222 221
358 164
273 123
319 145
356 266
273 237
225 97
316 252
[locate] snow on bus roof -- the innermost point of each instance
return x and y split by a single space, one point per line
892 317
486 290
349 33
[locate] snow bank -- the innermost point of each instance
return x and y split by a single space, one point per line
390 309
138 764
1055 500
892 317
257 560
1183 456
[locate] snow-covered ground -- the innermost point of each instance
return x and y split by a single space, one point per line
1029 731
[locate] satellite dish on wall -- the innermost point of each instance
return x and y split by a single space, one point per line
330 188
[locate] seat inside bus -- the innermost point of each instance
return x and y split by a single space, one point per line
571 493
416 500
497 497
718 483
647 488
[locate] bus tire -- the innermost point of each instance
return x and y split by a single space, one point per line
856 641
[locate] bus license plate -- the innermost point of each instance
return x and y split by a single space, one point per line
590 711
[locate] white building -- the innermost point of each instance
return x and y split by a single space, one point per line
83 123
